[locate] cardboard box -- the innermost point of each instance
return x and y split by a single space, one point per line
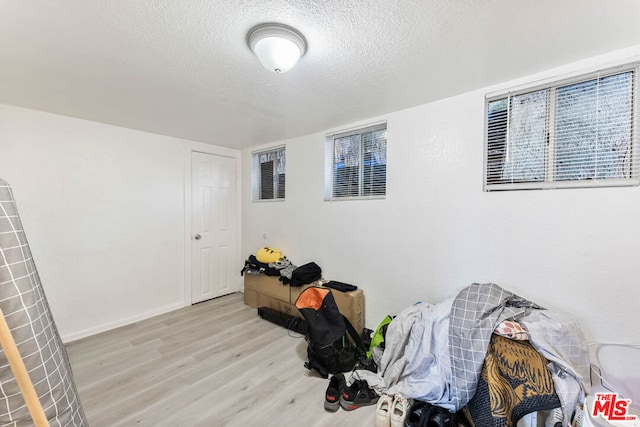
351 305
266 285
267 291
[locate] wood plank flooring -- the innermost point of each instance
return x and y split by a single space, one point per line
213 364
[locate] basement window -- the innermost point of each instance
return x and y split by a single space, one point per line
578 132
356 164
268 174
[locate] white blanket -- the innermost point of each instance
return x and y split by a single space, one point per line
416 357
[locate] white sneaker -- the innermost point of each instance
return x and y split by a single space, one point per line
383 411
577 420
400 410
555 417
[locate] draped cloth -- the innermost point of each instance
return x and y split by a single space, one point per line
27 313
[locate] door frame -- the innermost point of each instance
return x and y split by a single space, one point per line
189 148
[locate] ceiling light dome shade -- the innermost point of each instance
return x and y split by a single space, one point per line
277 46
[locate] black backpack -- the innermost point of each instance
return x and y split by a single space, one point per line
308 273
333 344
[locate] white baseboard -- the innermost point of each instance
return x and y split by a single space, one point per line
68 338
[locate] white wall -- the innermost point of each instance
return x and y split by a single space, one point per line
103 210
574 251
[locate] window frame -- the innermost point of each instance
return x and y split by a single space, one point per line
256 174
329 182
550 169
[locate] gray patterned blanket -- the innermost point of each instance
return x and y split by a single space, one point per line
28 316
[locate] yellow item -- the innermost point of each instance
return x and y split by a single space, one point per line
269 255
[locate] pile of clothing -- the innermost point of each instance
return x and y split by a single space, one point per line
436 353
272 262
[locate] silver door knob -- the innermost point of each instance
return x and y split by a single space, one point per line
197 237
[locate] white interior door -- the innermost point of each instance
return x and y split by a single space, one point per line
213 224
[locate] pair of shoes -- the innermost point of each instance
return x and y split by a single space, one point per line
418 414
333 393
383 411
358 394
400 410
426 414
392 410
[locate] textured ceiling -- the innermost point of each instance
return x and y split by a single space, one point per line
182 67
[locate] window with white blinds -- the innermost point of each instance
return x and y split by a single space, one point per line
268 174
577 133
356 164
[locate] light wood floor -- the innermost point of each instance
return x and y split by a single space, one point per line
216 363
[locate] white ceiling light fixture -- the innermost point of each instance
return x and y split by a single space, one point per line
277 46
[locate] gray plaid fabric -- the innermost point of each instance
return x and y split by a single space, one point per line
27 313
475 313
562 342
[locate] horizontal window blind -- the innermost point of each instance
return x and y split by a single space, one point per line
268 174
356 163
580 133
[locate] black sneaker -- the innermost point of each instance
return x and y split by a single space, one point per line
333 393
418 414
358 394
